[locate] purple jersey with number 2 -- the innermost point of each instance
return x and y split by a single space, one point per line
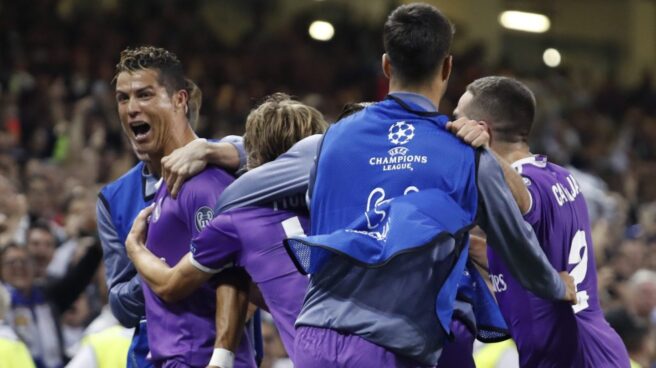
184 331
251 237
549 333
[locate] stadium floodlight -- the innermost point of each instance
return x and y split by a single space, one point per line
524 21
321 30
551 57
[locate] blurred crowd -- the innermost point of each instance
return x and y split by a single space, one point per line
60 140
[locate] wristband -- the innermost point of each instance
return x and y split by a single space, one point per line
223 358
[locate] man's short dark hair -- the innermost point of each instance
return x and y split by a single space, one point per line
504 103
632 331
41 224
417 39
351 108
171 73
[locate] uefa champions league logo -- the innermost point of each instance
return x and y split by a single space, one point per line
401 133
399 157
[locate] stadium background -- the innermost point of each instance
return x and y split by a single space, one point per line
60 137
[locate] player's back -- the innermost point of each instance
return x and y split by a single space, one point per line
555 334
261 231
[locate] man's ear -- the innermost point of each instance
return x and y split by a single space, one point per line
387 66
446 67
488 129
180 100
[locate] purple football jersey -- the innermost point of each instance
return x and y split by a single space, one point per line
550 333
251 237
185 331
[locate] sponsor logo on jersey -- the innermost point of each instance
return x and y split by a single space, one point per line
498 283
203 217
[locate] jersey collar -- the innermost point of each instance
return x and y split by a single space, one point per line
535 160
149 182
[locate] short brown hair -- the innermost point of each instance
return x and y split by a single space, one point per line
274 126
504 103
171 74
194 102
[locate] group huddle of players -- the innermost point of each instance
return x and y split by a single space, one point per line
354 237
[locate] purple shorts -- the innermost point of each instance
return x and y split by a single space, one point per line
324 348
459 352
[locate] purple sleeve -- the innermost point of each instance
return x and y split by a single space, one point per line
216 246
534 213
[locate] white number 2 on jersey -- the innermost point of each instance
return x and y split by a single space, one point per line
578 255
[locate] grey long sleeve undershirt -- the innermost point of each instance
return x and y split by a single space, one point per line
286 176
498 214
511 236
125 296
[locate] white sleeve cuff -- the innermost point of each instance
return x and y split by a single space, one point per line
207 269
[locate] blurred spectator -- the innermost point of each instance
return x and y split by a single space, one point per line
642 295
13 352
106 342
36 308
41 245
275 355
13 214
636 335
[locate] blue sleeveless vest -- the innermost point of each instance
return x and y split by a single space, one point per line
124 198
390 180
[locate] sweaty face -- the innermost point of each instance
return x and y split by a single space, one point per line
146 110
464 101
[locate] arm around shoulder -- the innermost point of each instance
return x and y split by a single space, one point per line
512 237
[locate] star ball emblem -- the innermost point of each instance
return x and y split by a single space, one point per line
401 133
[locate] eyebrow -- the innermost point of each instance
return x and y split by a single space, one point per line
142 89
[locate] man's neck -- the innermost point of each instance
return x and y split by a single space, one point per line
428 91
511 152
174 141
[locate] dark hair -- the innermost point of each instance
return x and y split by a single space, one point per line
504 103
40 224
171 73
351 108
632 331
417 39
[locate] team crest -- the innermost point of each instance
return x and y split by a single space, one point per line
203 217
401 133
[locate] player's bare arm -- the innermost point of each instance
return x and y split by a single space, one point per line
232 296
169 283
478 251
191 159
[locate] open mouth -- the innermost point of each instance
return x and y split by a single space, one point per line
140 128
